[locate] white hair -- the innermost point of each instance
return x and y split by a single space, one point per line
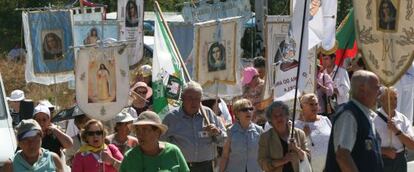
192 85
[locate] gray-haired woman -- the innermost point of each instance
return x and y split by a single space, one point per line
277 151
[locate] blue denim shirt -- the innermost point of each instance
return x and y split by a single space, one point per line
243 148
188 134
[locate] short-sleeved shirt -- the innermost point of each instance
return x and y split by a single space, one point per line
345 127
44 163
401 122
169 159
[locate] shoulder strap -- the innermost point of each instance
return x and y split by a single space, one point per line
382 116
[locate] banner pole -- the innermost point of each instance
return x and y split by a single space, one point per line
187 75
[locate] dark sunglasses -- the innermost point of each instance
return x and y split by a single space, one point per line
94 133
248 109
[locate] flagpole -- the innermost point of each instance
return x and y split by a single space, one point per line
180 59
298 71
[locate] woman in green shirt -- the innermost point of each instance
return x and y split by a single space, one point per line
152 154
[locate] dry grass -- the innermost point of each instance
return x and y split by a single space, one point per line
13 78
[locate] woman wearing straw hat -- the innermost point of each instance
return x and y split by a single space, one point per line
121 138
152 154
141 94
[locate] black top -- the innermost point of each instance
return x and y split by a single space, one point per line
288 166
51 143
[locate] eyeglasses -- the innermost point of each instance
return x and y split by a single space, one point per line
247 109
94 133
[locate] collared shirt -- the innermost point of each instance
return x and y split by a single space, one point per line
244 146
188 134
401 122
345 127
342 83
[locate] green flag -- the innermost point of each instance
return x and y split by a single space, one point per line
167 77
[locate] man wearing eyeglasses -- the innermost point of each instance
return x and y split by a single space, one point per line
195 129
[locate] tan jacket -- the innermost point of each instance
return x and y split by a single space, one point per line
270 149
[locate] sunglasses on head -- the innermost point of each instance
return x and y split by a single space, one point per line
94 133
247 109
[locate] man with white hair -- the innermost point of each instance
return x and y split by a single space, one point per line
396 134
195 129
354 145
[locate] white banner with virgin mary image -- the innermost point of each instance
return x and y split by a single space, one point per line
102 81
385 35
89 28
216 51
131 18
48 36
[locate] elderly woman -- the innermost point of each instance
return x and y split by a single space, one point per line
241 146
95 155
152 154
53 138
32 157
121 138
317 129
277 151
141 94
252 90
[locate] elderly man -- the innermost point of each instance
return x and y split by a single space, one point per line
396 134
195 129
354 145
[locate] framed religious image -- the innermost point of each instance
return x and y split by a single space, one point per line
52 44
216 51
387 15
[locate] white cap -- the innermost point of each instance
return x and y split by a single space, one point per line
16 95
41 108
46 103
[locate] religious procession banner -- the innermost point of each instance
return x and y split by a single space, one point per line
385 35
167 73
216 51
48 37
89 28
102 78
131 18
286 54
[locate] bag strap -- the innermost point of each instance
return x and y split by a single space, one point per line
382 116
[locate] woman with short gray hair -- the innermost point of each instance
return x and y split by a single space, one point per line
277 151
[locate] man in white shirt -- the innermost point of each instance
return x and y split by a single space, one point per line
396 134
354 144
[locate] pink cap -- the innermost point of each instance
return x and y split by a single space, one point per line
248 74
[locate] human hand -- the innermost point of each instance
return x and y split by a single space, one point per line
51 128
391 126
212 130
389 152
107 157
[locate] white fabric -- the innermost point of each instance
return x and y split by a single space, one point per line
345 128
342 83
29 71
225 112
405 90
401 122
71 129
319 136
40 108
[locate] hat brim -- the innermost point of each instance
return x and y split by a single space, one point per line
162 127
127 119
14 100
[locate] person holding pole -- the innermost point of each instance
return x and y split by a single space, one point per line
354 144
195 129
395 130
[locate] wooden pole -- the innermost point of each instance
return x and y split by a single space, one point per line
187 75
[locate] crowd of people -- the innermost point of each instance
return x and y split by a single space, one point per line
337 130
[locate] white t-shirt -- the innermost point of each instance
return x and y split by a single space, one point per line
401 122
318 140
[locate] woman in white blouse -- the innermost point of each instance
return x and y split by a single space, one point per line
317 129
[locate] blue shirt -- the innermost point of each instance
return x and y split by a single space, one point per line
188 134
44 163
244 146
